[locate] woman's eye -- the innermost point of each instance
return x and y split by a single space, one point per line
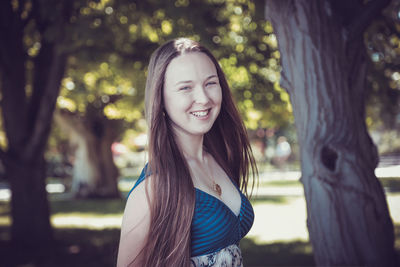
211 83
184 88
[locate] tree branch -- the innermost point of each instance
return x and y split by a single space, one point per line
44 116
47 79
21 7
8 27
30 16
367 13
3 156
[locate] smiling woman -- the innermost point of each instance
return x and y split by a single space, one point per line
190 211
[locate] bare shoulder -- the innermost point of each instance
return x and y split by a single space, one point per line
135 223
137 205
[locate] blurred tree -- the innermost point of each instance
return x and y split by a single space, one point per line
324 63
98 99
94 171
32 64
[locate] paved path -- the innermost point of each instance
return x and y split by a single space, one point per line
381 172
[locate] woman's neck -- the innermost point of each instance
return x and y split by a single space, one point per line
191 146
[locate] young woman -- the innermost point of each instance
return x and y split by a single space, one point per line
190 210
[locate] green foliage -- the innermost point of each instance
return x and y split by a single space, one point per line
111 43
249 55
383 47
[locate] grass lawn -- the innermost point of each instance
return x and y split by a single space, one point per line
85 238
87 233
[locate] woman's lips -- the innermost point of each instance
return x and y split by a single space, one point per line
201 114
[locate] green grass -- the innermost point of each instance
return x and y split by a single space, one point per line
4 208
91 248
89 206
391 184
81 246
280 183
73 247
278 254
269 199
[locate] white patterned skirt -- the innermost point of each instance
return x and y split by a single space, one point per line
231 256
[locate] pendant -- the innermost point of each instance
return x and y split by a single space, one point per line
217 189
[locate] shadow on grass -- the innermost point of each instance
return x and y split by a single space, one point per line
391 184
90 248
73 247
5 209
277 254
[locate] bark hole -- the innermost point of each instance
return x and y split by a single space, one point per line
329 158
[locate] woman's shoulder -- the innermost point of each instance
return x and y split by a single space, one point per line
136 220
138 200
143 175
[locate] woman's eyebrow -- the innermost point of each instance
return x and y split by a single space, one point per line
189 81
183 82
212 76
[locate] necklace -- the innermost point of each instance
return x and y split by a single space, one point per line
215 187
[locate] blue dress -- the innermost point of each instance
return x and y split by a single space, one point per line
215 228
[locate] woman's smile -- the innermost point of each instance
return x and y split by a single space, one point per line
201 114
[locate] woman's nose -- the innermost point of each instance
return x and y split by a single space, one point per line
200 95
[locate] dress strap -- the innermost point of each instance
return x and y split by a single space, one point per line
141 178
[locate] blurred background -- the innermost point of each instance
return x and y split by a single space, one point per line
97 138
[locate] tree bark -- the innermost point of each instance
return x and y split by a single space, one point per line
324 72
94 173
29 205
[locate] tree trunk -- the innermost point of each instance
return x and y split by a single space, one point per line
324 71
29 206
94 173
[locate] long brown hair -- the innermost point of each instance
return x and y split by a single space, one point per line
172 205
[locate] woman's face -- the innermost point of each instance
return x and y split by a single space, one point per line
192 93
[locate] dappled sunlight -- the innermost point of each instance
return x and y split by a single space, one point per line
279 222
286 221
388 171
5 194
86 221
5 221
394 207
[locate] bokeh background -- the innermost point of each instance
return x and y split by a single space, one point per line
78 69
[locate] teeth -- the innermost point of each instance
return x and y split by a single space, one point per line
200 113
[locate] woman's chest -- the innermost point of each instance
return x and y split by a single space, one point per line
215 225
